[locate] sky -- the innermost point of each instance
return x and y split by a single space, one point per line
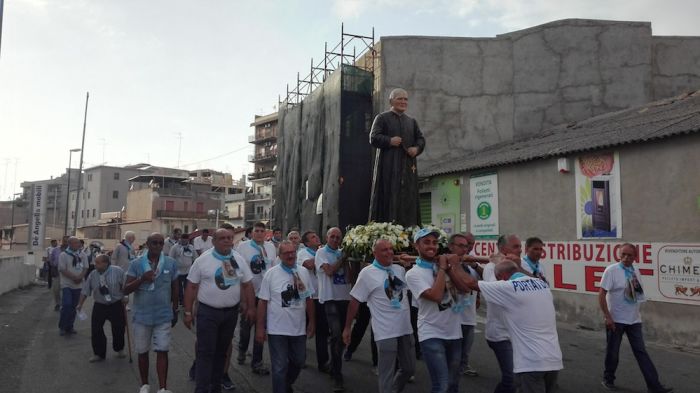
161 73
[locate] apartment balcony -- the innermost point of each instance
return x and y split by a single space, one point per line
259 197
182 214
262 157
263 137
259 175
257 216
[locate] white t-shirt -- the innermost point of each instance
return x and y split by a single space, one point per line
334 287
495 326
614 281
202 245
259 259
214 291
469 313
286 303
184 256
526 266
530 318
434 321
304 255
373 287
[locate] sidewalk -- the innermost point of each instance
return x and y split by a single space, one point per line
36 360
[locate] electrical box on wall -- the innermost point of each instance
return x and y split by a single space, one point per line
563 165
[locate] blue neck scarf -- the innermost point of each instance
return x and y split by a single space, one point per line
311 251
337 252
535 266
426 265
516 276
378 265
290 270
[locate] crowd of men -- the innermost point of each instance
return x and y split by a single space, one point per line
419 307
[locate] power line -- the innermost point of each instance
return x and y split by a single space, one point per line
214 158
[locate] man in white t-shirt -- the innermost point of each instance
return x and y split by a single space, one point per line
496 333
220 280
382 286
284 305
530 264
259 255
306 257
460 245
528 308
203 242
439 313
172 240
184 254
334 293
620 296
72 266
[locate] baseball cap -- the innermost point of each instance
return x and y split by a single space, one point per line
425 232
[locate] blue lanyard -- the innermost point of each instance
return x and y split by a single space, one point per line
516 276
535 266
332 251
311 251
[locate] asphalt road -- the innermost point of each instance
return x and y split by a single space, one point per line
35 359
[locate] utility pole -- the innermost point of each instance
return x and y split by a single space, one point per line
103 142
80 171
179 147
2 6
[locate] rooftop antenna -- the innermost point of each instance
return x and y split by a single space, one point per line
179 147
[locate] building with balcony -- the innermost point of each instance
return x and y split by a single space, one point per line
259 201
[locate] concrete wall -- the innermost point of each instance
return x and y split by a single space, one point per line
536 200
16 272
468 93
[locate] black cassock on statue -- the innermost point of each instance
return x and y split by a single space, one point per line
395 176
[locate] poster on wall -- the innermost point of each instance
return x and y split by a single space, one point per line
598 202
483 203
445 197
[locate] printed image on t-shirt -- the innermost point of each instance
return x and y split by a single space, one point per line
339 276
257 264
633 290
290 296
393 287
227 275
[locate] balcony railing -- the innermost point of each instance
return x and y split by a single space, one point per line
257 216
261 175
261 157
259 196
181 214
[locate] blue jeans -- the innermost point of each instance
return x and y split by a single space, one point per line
504 354
69 301
442 359
612 352
287 357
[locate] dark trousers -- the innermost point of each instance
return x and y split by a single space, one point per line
182 284
322 334
336 311
114 313
69 301
244 340
537 381
215 328
359 329
287 357
414 324
504 354
612 354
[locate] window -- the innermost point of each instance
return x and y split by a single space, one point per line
115 194
186 205
87 214
93 212
187 229
200 207
169 205
72 197
89 176
88 194
82 214
72 214
116 175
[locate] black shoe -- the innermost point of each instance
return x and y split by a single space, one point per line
609 385
261 370
226 382
71 331
347 356
662 389
57 308
192 369
241 358
338 386
325 368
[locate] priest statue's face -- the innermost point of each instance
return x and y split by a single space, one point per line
398 100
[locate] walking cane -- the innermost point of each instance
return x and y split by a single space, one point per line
128 333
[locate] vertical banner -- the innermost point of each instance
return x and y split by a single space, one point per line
445 198
37 219
598 202
483 205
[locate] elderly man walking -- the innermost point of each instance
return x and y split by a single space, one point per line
184 254
153 279
286 314
72 268
124 252
620 297
55 277
105 284
220 281
382 286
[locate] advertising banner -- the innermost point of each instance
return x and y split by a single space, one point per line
598 212
445 197
483 203
37 218
669 272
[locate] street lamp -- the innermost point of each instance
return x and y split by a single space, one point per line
70 156
12 219
217 211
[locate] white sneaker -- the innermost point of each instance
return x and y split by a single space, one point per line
121 354
145 389
95 358
164 391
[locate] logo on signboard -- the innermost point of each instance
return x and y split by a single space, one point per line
679 275
483 211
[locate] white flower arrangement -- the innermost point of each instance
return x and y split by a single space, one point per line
359 240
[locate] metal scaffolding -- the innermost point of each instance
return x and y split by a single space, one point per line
332 59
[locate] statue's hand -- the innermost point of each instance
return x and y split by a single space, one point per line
412 151
395 141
